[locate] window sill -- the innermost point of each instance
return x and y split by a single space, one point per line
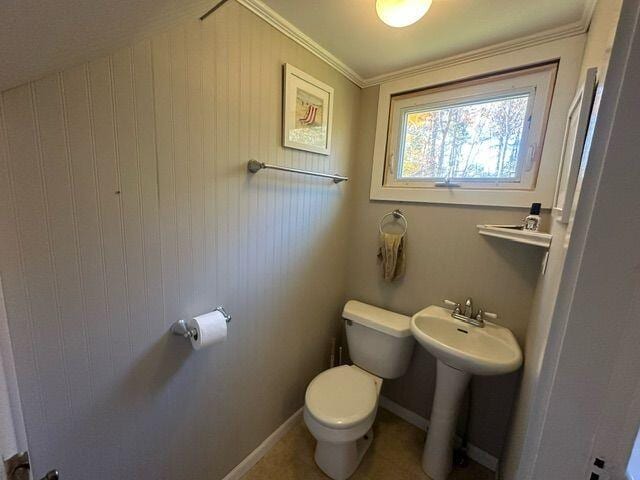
463 196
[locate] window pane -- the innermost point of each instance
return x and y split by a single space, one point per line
466 141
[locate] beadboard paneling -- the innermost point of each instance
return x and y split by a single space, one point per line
126 206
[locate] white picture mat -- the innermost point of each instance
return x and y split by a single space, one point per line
295 78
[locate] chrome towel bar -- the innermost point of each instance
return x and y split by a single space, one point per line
255 166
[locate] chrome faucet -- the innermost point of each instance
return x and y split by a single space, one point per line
468 308
467 314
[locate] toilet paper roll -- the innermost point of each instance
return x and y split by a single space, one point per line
211 328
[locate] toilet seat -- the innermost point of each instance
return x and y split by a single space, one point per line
342 397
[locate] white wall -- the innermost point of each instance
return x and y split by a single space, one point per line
126 205
599 40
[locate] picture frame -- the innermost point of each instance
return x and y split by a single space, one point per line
584 161
573 146
307 112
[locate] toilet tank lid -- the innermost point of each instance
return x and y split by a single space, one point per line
377 318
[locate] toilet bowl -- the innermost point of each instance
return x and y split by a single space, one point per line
340 407
341 403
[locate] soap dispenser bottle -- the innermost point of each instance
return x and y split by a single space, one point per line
532 221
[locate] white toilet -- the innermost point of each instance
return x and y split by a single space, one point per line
341 403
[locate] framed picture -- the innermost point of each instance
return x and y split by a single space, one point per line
307 112
584 161
574 142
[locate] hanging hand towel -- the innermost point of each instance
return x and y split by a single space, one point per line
392 255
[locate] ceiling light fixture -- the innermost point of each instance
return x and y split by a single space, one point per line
401 13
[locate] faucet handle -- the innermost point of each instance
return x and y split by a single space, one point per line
481 315
451 303
455 305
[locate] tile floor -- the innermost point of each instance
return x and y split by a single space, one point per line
394 455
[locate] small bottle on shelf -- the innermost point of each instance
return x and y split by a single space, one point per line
532 221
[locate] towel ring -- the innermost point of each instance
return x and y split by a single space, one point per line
398 215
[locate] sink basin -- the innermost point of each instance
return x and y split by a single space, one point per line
492 350
462 350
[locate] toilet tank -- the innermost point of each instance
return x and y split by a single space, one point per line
380 341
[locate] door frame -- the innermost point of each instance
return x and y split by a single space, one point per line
13 437
588 401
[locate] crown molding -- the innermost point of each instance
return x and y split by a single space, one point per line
287 28
283 25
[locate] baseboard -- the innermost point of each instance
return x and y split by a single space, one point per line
477 454
483 458
254 457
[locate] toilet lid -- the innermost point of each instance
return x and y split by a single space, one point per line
341 397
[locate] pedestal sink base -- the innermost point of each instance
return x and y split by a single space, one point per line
462 349
451 384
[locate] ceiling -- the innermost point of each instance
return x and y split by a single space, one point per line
41 36
352 32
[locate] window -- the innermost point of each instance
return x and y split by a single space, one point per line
480 134
475 140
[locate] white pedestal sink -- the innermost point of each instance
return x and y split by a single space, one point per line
462 350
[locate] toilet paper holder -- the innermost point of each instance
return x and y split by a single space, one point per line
181 328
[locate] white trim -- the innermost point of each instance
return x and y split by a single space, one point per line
475 453
483 458
404 413
254 457
287 28
568 51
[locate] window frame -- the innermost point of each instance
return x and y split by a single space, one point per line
535 82
566 52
